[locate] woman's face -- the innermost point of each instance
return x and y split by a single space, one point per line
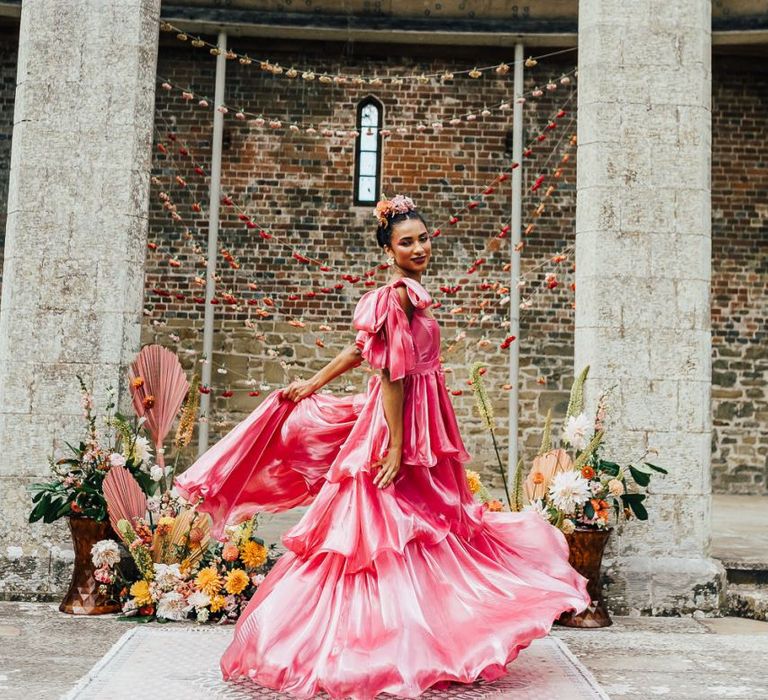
411 245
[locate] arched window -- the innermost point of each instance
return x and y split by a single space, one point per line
370 114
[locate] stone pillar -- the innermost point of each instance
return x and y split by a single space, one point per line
74 248
643 280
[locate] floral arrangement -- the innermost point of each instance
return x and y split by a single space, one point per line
583 491
178 573
579 491
76 489
160 392
399 204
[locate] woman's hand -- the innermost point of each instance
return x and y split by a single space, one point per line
298 390
390 466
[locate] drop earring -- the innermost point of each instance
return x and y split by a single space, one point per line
390 261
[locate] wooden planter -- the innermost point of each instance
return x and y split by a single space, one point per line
83 597
586 556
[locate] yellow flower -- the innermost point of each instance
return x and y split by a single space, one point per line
217 603
473 481
165 524
140 593
237 581
208 581
253 554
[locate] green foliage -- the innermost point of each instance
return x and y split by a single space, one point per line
581 460
77 486
634 501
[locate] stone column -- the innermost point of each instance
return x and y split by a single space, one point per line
643 280
74 249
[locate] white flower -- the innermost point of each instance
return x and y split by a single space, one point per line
615 487
167 576
537 506
156 472
105 553
202 615
130 607
577 430
198 600
568 490
173 606
257 579
116 460
153 504
596 487
567 526
141 450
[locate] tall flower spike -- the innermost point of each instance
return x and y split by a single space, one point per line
546 437
576 400
517 488
486 413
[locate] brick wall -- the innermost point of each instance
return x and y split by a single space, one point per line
740 278
301 188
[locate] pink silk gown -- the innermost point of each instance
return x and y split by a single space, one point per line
381 590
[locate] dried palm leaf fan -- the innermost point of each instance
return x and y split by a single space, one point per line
124 497
158 388
177 545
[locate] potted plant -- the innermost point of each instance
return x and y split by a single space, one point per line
583 493
76 492
158 387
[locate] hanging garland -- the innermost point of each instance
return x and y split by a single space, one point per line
281 125
487 191
311 74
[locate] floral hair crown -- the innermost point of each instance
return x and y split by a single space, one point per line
399 204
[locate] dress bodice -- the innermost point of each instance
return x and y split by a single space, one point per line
426 341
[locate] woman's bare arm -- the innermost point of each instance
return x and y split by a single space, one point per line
349 357
392 400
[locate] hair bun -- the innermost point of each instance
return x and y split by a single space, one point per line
399 204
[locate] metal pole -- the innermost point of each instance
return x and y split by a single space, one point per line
515 233
213 235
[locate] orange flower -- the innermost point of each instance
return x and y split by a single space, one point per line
137 382
537 478
148 401
495 505
253 554
587 472
230 552
602 509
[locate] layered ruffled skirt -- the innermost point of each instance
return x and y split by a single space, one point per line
381 590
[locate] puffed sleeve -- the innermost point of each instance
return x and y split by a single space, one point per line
384 332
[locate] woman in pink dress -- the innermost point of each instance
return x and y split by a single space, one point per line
395 579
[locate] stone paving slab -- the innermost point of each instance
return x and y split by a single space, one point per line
740 530
157 662
44 653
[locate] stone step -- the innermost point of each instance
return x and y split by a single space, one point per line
746 572
748 600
